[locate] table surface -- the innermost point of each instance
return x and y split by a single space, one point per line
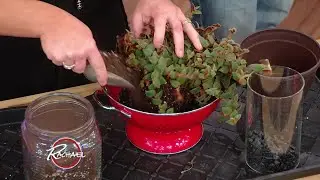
217 155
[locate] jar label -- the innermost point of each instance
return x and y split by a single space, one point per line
65 153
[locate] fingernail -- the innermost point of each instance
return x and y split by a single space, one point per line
103 83
157 45
181 53
136 35
198 46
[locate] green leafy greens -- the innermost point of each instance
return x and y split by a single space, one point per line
213 72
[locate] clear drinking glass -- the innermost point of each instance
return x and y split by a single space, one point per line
60 139
274 117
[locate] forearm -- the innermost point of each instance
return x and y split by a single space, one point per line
28 18
304 17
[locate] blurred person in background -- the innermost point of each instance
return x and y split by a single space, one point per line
248 16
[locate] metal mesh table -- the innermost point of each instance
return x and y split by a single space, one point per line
217 156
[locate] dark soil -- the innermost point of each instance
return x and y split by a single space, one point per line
170 95
126 98
182 102
262 159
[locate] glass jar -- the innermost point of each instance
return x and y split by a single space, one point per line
274 118
61 139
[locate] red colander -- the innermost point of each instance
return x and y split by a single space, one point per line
159 133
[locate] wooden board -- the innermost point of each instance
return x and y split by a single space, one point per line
315 177
84 90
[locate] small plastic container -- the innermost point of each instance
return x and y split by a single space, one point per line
61 139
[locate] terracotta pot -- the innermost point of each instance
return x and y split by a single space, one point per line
285 48
159 133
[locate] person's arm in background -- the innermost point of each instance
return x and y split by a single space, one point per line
67 41
64 38
29 18
304 17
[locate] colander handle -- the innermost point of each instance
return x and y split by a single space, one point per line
96 99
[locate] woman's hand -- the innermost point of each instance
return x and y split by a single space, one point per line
161 12
70 43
